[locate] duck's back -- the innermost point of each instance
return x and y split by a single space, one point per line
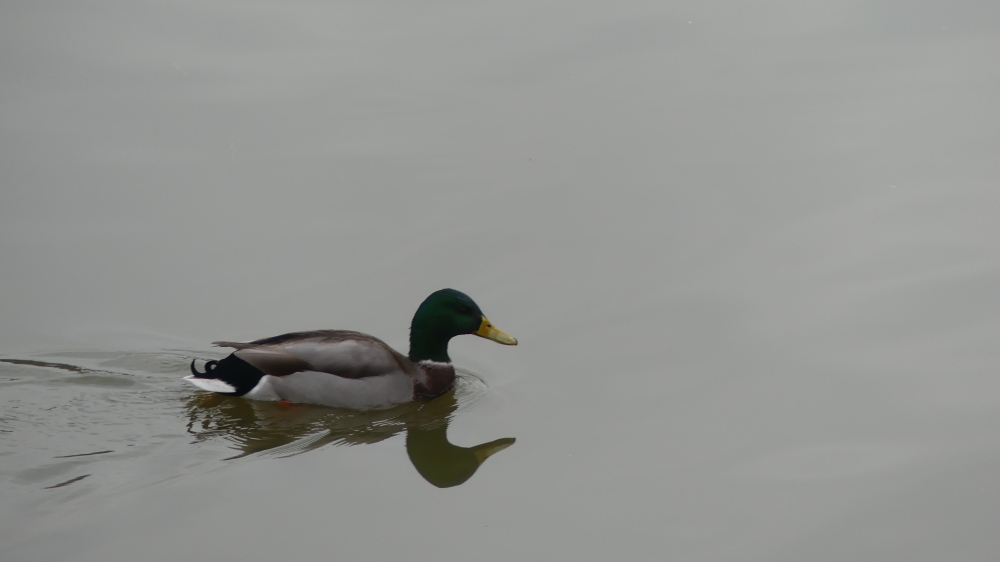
344 353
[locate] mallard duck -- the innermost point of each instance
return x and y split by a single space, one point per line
348 369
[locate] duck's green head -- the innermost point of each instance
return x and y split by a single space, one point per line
443 315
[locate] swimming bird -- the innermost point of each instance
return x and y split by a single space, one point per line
348 369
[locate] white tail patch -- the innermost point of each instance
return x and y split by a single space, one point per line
211 385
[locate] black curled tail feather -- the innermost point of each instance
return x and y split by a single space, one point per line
233 371
209 367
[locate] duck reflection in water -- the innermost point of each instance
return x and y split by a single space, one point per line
266 428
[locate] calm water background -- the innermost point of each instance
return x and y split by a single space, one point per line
750 251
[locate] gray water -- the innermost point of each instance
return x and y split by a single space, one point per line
749 251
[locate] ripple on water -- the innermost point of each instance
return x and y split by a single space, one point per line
268 428
115 420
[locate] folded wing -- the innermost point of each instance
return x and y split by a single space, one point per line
343 353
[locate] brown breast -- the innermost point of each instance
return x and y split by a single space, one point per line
438 379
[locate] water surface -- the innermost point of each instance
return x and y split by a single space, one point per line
748 250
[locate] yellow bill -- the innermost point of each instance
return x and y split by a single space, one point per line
487 450
488 331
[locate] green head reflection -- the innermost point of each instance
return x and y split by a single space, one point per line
268 429
446 465
436 459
